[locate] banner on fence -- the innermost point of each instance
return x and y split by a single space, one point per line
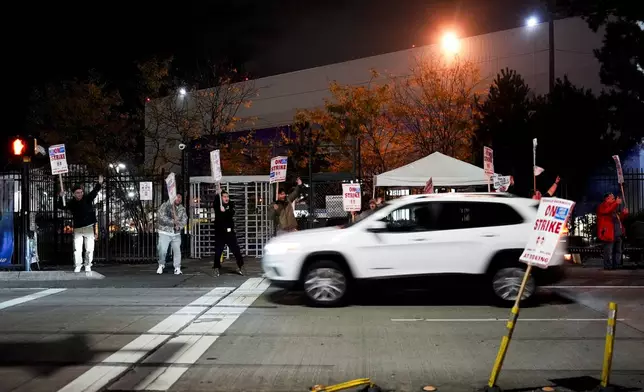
145 190
6 221
171 185
618 166
58 159
278 169
351 197
215 165
488 161
552 218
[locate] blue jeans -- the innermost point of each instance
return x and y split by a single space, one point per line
166 240
613 253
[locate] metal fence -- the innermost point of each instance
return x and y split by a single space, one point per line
583 228
125 229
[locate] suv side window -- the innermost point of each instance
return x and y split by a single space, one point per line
410 218
470 215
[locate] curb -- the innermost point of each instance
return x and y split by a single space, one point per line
33 276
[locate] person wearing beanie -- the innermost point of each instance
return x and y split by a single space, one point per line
282 213
84 218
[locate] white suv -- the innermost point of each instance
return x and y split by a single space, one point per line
439 235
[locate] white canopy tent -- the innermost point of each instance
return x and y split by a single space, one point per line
444 171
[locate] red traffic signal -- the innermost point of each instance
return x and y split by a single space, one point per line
19 147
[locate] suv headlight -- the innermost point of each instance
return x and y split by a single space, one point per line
280 248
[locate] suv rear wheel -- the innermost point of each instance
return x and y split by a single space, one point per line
325 284
506 282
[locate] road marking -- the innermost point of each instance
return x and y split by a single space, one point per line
501 319
30 297
113 366
174 358
592 287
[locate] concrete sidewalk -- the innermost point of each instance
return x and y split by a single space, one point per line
196 273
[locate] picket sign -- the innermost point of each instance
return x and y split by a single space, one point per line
620 175
552 217
58 162
488 165
171 185
215 168
351 197
278 171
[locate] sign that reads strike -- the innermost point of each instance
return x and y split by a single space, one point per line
552 218
58 159
278 169
351 197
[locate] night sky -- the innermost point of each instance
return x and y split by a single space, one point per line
262 37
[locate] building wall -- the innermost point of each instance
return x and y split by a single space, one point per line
523 49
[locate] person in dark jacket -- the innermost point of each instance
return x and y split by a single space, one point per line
84 217
225 231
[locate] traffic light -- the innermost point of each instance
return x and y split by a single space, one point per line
18 147
23 147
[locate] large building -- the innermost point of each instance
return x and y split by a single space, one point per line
524 49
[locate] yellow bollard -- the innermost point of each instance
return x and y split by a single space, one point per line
505 341
608 348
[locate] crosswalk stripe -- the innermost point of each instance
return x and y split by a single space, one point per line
28 298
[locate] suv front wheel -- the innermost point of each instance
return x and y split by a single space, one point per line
325 284
506 283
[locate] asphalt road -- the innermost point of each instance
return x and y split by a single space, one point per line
138 331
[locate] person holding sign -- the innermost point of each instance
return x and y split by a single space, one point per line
610 230
536 194
84 217
225 231
172 217
282 212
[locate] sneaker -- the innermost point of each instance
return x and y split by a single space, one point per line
77 269
177 271
241 271
88 268
160 270
216 272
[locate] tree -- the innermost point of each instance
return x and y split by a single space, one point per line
358 124
503 124
621 57
88 116
575 139
437 103
203 118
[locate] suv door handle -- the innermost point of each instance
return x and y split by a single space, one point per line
489 235
419 239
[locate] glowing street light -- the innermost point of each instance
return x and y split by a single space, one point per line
450 42
182 91
531 21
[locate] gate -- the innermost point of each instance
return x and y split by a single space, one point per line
251 196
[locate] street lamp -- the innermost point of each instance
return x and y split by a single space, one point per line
532 21
450 43
182 91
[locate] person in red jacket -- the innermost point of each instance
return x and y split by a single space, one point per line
610 230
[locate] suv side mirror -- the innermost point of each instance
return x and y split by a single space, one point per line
377 227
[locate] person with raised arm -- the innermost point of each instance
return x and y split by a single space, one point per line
282 213
81 206
225 231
